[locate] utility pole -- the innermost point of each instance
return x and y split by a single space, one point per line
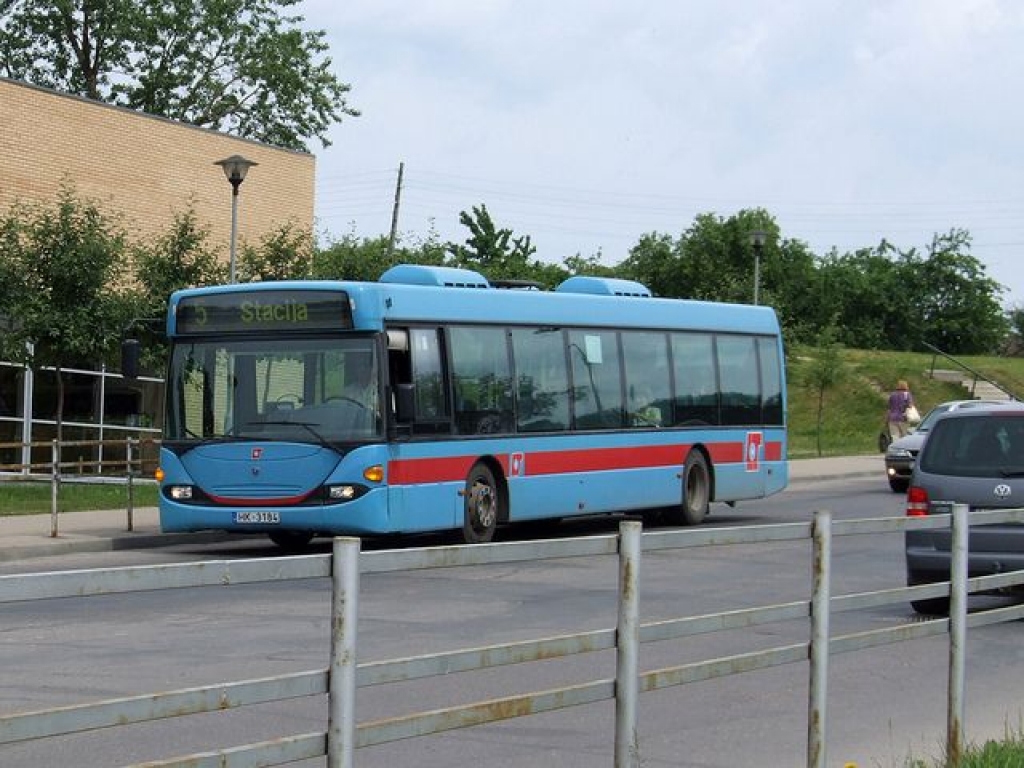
394 213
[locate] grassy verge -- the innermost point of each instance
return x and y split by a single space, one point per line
1008 753
21 498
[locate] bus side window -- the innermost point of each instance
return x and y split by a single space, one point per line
648 386
543 380
696 396
738 372
596 378
771 381
481 380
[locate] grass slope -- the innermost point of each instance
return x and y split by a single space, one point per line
854 410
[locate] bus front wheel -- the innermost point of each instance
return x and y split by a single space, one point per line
696 492
483 504
291 541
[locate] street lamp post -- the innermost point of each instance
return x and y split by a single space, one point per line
235 168
757 239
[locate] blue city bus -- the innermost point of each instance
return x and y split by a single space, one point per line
433 400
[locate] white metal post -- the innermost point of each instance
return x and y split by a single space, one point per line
627 646
817 716
54 485
129 455
341 718
957 634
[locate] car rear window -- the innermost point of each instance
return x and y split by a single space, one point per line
986 445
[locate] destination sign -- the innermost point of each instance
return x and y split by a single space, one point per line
250 311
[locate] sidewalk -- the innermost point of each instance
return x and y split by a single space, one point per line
27 536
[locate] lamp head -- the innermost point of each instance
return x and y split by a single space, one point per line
235 168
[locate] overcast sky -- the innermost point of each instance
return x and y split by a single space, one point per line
587 123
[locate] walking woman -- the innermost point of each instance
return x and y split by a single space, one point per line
900 402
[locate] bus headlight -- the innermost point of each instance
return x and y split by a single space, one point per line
179 492
342 492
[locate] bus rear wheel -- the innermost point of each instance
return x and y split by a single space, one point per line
696 492
291 541
483 506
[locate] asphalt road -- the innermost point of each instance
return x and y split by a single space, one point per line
884 703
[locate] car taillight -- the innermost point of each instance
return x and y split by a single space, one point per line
917 502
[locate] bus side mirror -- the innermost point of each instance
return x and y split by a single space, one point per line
130 351
405 403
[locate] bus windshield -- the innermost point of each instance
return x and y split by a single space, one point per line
317 390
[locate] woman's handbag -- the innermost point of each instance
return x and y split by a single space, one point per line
883 440
913 417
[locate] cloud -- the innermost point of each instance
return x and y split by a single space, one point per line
586 124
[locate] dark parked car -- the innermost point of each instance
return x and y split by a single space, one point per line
972 456
902 452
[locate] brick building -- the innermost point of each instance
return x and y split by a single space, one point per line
146 170
144 167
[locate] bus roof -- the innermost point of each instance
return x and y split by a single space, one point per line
579 301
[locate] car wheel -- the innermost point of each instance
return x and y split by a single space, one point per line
899 484
932 606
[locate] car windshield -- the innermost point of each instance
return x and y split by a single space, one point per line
988 445
930 417
319 390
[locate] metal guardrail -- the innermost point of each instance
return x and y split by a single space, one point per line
133 460
58 472
976 376
341 678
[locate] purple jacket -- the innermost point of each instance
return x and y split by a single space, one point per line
899 401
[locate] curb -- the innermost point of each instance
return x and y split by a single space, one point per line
126 540
835 476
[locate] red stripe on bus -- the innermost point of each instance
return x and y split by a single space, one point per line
598 459
726 453
411 471
455 468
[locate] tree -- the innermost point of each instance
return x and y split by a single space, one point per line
589 265
1014 345
179 258
492 251
713 260
62 262
283 254
865 293
237 66
825 372
960 307
352 258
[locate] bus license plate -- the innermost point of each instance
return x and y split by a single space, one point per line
256 518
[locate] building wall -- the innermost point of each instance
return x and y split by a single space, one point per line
143 167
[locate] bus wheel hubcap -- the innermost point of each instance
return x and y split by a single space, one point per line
483 506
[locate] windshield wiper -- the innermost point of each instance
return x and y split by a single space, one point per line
209 438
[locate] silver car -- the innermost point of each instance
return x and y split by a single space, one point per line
902 452
972 456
